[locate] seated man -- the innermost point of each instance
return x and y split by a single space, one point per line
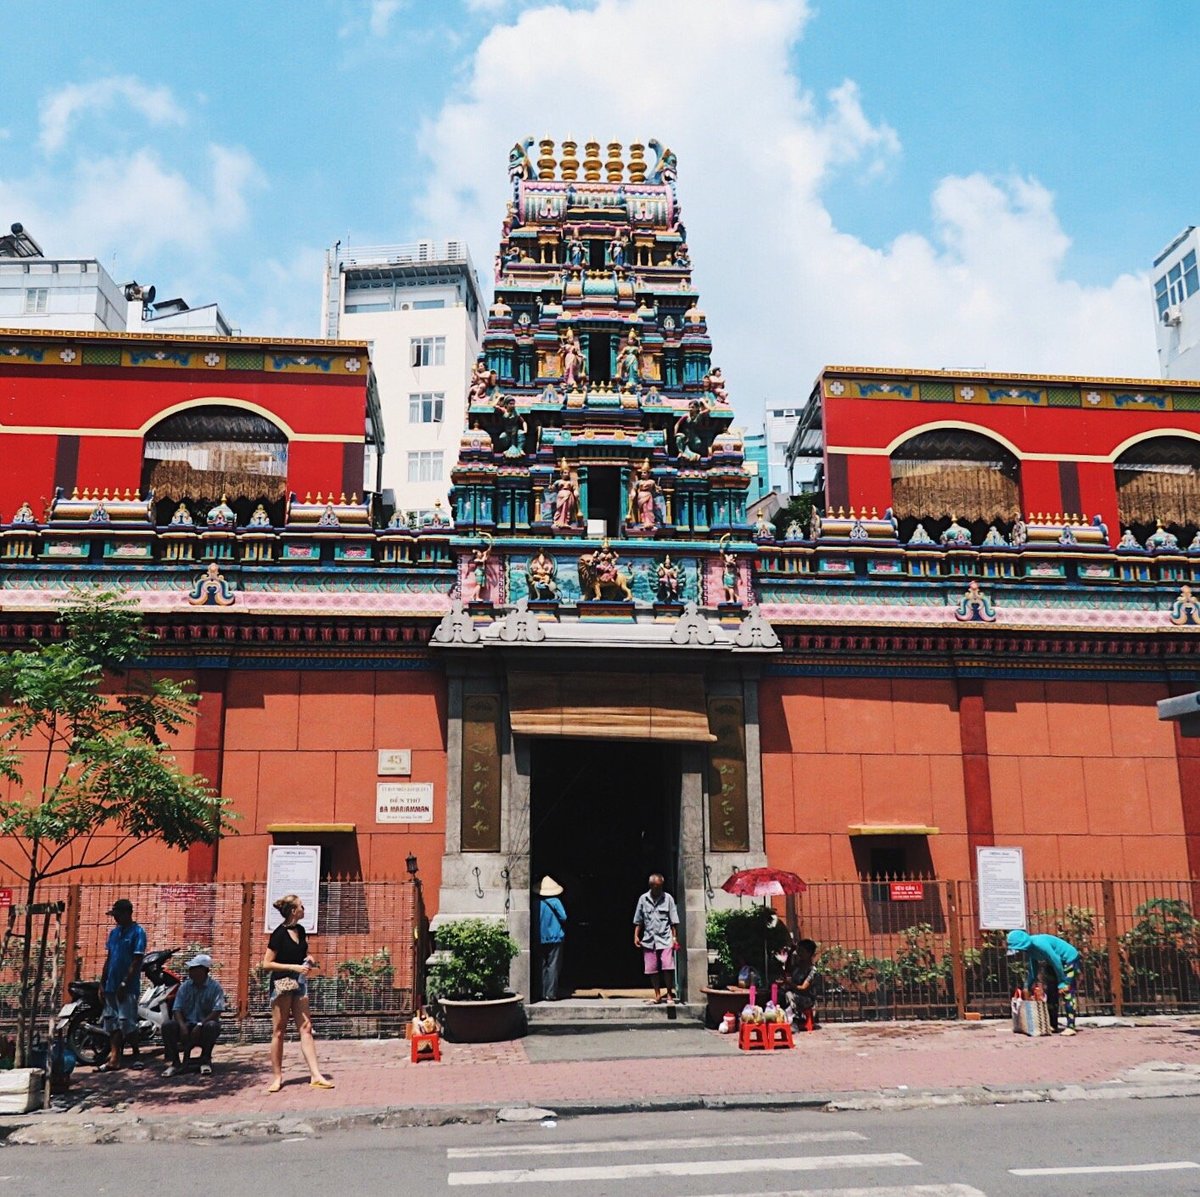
197 1018
800 977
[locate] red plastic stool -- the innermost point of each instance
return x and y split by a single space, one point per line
753 1036
433 1040
779 1034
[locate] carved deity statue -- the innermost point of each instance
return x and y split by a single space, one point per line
540 577
629 361
575 251
483 382
692 436
616 251
511 438
601 577
714 383
729 577
574 368
480 558
566 499
668 580
644 494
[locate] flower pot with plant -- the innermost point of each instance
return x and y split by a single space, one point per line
739 938
468 981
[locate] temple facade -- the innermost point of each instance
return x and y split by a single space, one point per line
593 665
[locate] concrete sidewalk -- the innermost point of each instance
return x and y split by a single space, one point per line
839 1066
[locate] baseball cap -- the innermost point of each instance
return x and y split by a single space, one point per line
202 960
122 906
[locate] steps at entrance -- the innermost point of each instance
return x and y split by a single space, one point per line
617 1014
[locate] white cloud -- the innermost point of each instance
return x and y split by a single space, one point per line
380 18
60 109
786 291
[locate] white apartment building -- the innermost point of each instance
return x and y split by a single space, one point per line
79 295
420 307
1175 281
779 424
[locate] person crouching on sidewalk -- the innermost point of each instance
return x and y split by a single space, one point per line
1060 961
196 1021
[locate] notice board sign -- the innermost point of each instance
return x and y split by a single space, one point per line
906 891
404 802
1001 874
5 897
293 869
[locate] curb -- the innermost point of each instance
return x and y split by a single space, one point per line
71 1130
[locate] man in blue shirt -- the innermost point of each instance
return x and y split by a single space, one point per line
120 981
196 1021
552 930
1059 959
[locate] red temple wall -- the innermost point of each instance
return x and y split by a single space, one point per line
1083 776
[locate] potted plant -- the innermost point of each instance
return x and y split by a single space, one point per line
468 979
738 937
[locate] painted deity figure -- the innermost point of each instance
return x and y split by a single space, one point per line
574 369
691 429
479 572
644 494
211 589
259 518
763 528
616 251
566 500
714 383
182 517
511 438
667 577
540 577
483 381
729 577
575 251
629 361
600 576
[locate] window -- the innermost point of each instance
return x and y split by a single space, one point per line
428 351
425 305
425 466
1172 289
35 300
426 407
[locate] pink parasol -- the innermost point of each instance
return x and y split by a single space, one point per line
763 883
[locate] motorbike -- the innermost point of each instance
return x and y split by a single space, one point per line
82 1016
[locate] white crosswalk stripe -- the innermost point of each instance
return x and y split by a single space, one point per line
951 1190
739 1167
707 1143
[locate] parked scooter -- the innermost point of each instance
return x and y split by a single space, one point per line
82 1017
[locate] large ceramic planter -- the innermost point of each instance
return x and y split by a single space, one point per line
722 1002
483 1021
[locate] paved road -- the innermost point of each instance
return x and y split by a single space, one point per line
1138 1148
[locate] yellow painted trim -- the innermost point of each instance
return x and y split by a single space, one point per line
151 338
858 829
218 401
1157 384
311 828
1146 436
962 425
874 451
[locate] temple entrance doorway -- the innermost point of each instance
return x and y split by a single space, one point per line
604 497
603 815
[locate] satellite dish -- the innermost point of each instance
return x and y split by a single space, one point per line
17 229
148 295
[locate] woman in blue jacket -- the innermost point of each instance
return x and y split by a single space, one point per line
1053 955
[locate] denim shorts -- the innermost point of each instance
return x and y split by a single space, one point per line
302 992
120 1014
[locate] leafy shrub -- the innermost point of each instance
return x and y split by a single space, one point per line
372 969
473 960
751 935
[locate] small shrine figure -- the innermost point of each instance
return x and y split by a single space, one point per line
668 580
1020 532
100 514
1128 540
1194 547
616 251
714 383
574 368
629 361
483 382
681 258
566 499
182 518
644 497
221 516
691 432
1185 610
794 531
480 559
328 517
763 528
994 538
975 606
540 577
511 438
439 518
1161 539
920 536
601 577
211 589
575 251
23 515
956 535
729 576
259 518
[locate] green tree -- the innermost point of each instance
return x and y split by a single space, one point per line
82 741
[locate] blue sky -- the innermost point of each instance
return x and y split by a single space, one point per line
926 183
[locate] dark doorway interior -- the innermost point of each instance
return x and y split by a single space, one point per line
603 816
599 357
604 497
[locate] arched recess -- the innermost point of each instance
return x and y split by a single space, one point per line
950 472
1158 480
201 455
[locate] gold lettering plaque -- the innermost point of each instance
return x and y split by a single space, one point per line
728 806
480 822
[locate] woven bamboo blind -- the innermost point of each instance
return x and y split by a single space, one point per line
609 706
1146 495
972 490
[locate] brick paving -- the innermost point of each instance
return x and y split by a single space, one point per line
836 1059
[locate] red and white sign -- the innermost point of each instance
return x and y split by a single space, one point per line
5 897
906 891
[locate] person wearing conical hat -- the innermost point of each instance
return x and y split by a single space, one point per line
552 931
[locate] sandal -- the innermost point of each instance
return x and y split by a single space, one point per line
107 1067
321 1084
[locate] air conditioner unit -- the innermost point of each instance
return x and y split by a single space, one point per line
1173 316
